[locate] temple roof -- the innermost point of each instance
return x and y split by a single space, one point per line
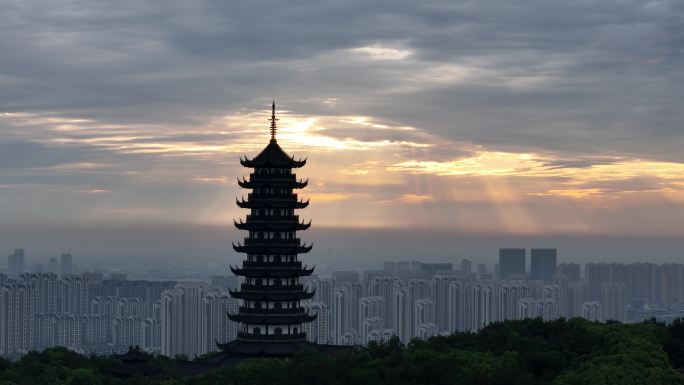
134 354
273 156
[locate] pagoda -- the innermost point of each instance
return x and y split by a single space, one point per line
271 315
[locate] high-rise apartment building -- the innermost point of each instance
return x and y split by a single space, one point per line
318 331
466 267
613 302
66 264
543 264
15 263
511 262
571 271
183 320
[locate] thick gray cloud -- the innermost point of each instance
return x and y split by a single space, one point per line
571 76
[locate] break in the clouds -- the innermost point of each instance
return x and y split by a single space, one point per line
531 116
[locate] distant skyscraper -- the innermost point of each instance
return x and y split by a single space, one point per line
17 318
53 266
384 288
389 267
613 302
225 282
342 310
511 262
184 320
400 309
571 271
466 266
435 268
343 277
543 264
318 331
15 263
591 310
481 270
67 264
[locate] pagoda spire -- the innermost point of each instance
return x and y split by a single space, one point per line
274 127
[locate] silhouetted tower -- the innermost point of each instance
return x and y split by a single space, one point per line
271 312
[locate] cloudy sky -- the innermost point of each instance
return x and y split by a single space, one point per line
522 118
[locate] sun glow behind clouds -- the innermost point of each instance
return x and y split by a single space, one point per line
365 172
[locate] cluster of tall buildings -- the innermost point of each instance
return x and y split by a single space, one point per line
89 313
418 300
16 264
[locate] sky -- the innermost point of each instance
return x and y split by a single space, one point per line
470 120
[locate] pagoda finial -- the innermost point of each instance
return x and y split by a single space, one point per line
274 128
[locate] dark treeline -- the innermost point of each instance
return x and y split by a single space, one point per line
527 352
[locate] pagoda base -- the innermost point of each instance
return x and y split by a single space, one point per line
238 350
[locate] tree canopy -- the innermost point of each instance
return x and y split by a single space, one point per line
526 352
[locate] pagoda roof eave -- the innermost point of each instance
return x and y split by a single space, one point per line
250 184
272 204
266 296
271 272
270 226
258 249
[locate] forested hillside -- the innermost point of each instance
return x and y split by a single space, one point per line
527 352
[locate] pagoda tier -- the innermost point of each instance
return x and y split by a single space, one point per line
271 311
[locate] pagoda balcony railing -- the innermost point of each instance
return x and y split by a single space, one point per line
271 288
272 197
273 218
272 177
296 265
273 242
250 310
250 336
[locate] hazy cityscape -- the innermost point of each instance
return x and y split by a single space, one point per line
342 192
59 304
